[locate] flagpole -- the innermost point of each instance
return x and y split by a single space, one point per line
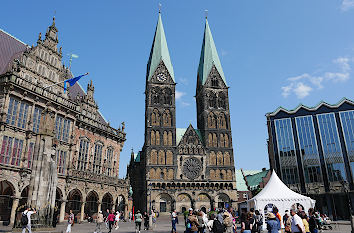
61 82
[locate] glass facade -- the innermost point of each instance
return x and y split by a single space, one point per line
97 159
286 151
83 155
347 120
332 151
308 149
62 127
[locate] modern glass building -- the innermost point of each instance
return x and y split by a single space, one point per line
312 151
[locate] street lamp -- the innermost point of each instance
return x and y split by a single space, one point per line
345 188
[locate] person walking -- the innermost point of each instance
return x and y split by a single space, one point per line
273 225
247 225
258 221
228 222
174 221
146 221
117 217
26 220
111 217
138 220
313 227
99 222
296 222
70 221
193 220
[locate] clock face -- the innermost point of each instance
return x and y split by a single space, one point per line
192 168
161 77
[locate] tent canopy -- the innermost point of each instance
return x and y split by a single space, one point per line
277 193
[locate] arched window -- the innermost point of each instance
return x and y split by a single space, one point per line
166 118
170 138
152 138
109 161
83 155
167 96
214 81
210 139
220 158
222 121
155 117
97 158
153 157
211 120
161 157
212 157
212 100
155 96
165 138
221 140
157 137
226 138
215 140
169 157
222 101
227 160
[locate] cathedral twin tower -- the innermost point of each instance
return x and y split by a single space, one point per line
182 168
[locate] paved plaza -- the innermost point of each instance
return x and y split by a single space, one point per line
163 225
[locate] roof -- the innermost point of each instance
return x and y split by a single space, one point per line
159 51
137 157
240 181
181 131
10 48
253 180
77 90
276 190
314 108
208 57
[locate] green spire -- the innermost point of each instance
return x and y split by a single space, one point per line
159 51
208 57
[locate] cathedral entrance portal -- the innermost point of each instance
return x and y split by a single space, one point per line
6 194
222 200
164 203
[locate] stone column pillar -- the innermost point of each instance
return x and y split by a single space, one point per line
82 211
99 206
62 211
15 202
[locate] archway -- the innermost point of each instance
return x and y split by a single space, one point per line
120 203
74 201
203 201
164 203
24 197
107 202
7 191
222 200
183 202
91 206
58 198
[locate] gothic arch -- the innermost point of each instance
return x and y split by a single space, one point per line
155 117
219 157
229 175
222 121
169 138
211 120
212 174
161 157
7 192
157 134
226 138
212 100
210 139
164 202
155 95
169 157
74 198
167 118
107 201
221 143
152 173
153 157
170 174
227 158
222 100
153 138
212 158
167 96
165 138
215 140
91 205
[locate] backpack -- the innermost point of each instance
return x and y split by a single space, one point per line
24 219
218 227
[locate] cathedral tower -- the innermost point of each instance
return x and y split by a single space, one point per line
213 113
160 111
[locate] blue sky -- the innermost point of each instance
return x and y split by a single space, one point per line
274 53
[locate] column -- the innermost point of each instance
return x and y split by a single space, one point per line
62 211
99 207
82 211
13 210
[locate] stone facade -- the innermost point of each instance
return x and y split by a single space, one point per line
183 168
57 151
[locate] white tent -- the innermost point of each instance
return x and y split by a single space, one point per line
276 193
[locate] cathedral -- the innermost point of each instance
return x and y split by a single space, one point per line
182 168
58 153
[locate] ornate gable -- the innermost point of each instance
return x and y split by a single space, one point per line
214 79
161 75
191 143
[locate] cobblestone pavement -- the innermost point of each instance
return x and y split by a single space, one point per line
163 225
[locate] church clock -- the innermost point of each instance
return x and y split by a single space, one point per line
161 77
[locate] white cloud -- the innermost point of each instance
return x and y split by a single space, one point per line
184 81
224 52
347 5
302 85
179 94
185 104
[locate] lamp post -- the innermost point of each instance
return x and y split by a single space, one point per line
150 213
345 188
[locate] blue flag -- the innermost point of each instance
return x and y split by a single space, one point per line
72 81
